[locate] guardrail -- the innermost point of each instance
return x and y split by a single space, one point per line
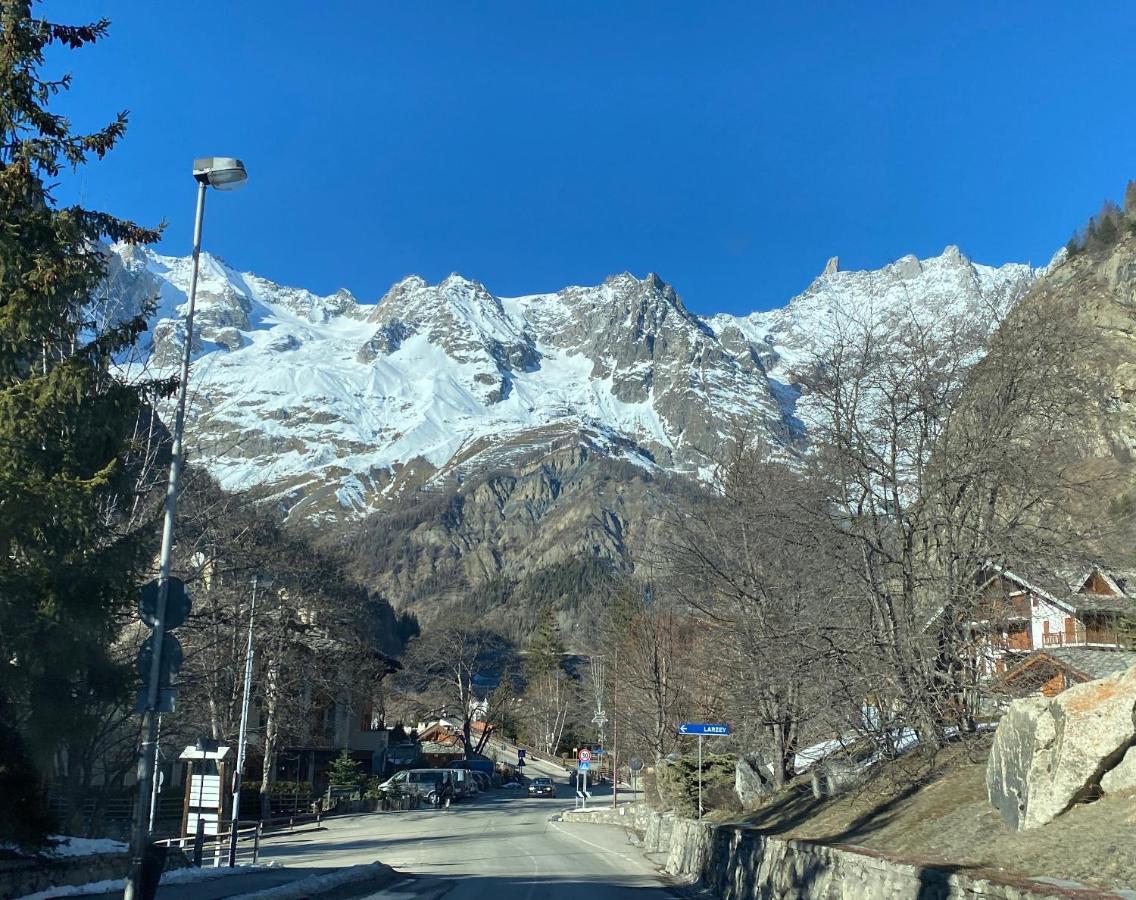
530 752
216 847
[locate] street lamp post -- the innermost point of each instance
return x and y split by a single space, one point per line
236 820
223 173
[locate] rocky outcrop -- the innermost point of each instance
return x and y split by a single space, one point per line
1050 753
750 785
547 521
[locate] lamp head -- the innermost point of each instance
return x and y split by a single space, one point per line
222 172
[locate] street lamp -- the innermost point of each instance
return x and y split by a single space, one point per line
223 173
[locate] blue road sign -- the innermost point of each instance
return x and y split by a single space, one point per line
707 728
520 753
598 751
584 766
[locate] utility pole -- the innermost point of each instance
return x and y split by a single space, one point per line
700 777
236 820
615 734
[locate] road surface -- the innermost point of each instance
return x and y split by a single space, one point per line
498 846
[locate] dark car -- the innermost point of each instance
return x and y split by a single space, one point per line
542 787
435 786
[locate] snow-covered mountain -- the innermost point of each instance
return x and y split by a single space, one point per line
333 406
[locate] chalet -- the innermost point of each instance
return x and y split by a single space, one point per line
439 745
1050 671
1020 614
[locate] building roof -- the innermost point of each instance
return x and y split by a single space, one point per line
1101 603
437 748
1063 587
1092 662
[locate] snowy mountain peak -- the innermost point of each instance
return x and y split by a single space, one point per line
333 407
940 291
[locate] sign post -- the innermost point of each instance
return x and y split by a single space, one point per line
584 762
702 729
634 765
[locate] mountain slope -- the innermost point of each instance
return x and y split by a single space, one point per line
335 408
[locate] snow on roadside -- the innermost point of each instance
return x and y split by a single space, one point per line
77 846
174 876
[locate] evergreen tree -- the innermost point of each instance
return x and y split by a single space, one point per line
344 770
548 690
547 649
67 565
1130 199
1108 229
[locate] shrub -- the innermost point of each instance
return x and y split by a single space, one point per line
678 783
280 788
371 789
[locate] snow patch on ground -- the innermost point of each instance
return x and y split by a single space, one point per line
188 875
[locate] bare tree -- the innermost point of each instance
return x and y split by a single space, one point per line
748 557
451 668
550 691
935 467
650 643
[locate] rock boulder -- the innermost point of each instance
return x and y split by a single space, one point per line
1123 777
750 782
1050 753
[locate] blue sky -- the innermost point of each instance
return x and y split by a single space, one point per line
730 147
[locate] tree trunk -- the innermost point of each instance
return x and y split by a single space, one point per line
271 736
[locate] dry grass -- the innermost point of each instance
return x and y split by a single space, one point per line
946 819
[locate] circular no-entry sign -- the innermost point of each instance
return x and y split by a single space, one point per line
585 756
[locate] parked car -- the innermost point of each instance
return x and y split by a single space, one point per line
542 787
435 786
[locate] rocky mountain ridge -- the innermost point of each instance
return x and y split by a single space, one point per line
336 408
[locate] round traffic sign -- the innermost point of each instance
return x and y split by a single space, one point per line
177 603
585 756
635 764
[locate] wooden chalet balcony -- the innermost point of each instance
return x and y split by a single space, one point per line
1092 638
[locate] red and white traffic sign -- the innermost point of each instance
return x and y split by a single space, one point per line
585 756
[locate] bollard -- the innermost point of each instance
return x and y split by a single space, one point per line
199 841
256 842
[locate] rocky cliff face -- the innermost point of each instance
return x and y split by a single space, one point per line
1100 285
555 531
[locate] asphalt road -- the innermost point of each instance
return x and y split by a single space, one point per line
498 846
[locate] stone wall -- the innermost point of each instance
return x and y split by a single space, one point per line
742 864
28 876
31 874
